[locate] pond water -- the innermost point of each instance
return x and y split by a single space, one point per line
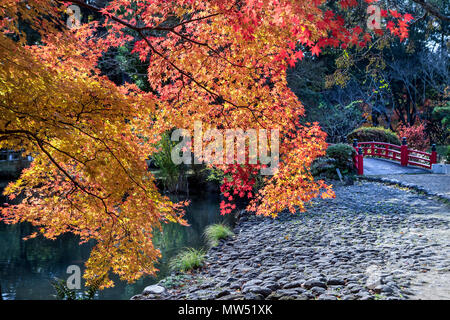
27 267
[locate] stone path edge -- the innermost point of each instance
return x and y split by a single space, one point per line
439 196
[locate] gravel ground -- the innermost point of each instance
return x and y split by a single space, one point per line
372 242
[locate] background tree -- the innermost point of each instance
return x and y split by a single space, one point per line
398 81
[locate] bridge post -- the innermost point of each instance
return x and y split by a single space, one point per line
433 157
360 162
355 157
404 153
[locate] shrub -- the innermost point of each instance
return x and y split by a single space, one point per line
324 166
169 172
343 153
64 293
216 232
415 136
187 260
338 156
174 281
439 126
367 134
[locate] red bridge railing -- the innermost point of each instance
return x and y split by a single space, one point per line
402 154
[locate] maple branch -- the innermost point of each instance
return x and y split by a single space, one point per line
64 152
97 9
13 132
40 144
204 44
196 19
5 134
134 27
53 160
212 93
168 29
108 150
140 30
419 19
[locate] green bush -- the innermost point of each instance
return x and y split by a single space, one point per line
64 293
440 124
338 156
169 172
216 232
379 134
187 260
324 166
174 281
343 153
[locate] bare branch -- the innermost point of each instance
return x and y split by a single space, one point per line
432 10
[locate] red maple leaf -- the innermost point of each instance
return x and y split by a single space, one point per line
316 50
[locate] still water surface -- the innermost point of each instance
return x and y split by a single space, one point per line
27 267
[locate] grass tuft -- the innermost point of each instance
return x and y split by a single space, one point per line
187 260
216 232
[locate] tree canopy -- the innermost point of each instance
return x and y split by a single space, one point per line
220 62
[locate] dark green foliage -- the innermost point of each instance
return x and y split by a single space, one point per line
64 293
442 113
324 167
379 134
342 153
306 80
447 155
188 260
339 156
174 281
169 172
440 124
216 232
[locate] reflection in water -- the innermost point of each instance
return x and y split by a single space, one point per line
27 267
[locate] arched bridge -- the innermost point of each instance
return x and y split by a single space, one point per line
378 158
